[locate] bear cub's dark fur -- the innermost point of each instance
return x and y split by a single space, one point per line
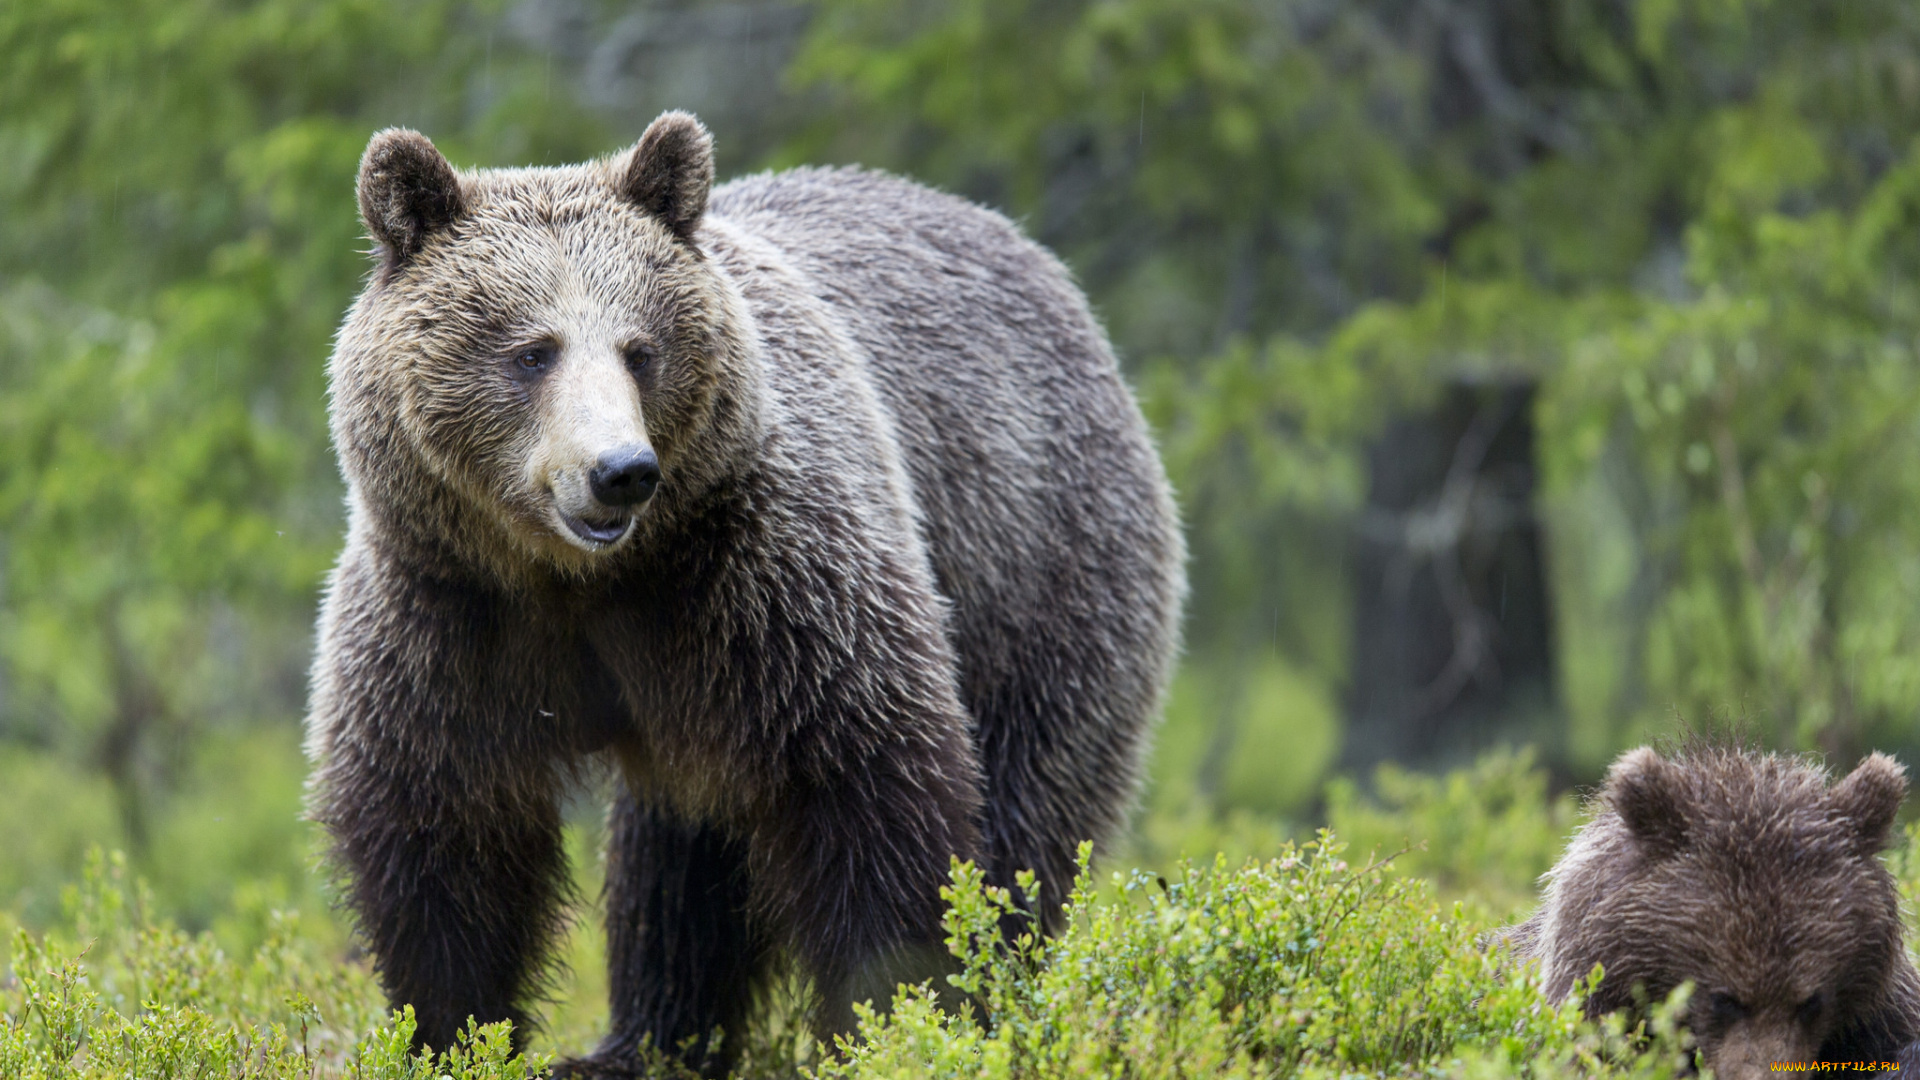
1751 877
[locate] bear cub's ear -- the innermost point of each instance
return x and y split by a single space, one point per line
1869 798
669 172
407 192
1643 789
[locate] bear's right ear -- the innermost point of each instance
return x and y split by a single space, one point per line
1643 789
407 192
669 172
1869 798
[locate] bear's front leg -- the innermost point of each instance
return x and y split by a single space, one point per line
850 864
684 954
843 693
436 780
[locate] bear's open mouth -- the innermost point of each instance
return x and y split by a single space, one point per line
599 533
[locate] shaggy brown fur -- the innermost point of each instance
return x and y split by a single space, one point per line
1749 876
818 506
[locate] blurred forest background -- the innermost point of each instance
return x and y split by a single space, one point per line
1534 373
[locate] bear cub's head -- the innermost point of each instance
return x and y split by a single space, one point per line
537 351
1749 876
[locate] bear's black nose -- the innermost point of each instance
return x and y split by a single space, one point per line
625 477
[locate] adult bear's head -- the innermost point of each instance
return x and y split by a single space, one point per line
530 371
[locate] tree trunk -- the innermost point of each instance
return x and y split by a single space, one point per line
1453 633
138 708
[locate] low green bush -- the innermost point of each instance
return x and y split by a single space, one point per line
113 992
1301 966
1300 960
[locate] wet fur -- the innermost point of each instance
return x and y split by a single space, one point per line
1750 876
909 587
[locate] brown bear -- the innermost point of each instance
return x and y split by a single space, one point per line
815 503
1747 875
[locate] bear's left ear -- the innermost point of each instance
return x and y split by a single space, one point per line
407 192
1869 798
669 172
1644 790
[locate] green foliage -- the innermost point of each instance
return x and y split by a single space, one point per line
1300 966
51 813
114 991
1257 736
1191 130
131 533
1306 963
226 849
1689 220
1767 425
1904 862
181 240
1685 219
1485 833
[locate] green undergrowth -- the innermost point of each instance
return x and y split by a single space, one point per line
1265 957
1482 834
113 991
1302 965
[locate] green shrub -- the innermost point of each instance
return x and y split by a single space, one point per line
1300 966
114 992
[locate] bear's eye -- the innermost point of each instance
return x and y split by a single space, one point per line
1810 1010
1727 1010
533 360
639 356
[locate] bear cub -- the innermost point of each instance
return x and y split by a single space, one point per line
1751 877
